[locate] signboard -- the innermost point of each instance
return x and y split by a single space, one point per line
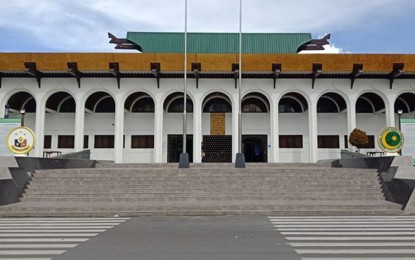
408 130
6 125
217 123
20 140
390 139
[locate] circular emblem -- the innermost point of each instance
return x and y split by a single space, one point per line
390 139
20 140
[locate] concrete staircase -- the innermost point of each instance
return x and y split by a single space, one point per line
204 189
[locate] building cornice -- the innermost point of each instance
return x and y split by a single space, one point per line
128 65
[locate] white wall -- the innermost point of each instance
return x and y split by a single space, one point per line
143 123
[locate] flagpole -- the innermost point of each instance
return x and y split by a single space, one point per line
240 79
184 157
185 80
240 157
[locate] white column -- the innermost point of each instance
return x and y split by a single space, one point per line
235 126
118 131
312 130
197 131
390 112
158 131
79 126
2 107
274 133
39 127
351 119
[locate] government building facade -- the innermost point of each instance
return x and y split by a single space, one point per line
128 107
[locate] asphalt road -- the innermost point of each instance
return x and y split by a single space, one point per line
221 237
186 238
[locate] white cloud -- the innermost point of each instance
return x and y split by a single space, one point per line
330 48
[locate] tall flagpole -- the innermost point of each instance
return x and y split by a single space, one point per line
240 79
240 157
185 80
184 157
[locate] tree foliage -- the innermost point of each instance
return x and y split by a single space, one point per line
358 138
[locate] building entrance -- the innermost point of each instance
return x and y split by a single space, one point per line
217 148
175 147
254 148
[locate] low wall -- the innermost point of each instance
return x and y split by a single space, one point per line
85 155
21 169
395 172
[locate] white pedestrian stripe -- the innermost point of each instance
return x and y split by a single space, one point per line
49 235
32 258
51 231
38 246
360 244
358 238
350 233
51 240
349 237
31 252
359 258
29 238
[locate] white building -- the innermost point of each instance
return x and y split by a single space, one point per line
128 107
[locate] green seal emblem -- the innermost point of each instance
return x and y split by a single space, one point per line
390 139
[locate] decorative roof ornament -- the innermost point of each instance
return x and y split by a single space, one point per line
123 43
315 44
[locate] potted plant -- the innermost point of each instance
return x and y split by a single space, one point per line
358 138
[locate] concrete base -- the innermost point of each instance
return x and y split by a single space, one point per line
410 206
240 160
184 161
6 162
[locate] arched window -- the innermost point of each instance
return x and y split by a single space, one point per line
292 103
405 102
100 102
22 100
67 106
61 102
143 105
369 103
176 106
254 104
105 105
331 103
289 105
217 105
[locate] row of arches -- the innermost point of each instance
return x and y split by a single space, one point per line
140 102
327 120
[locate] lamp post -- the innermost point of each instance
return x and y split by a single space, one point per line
400 112
22 112
6 111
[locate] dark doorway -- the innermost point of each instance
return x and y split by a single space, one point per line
255 148
217 148
175 147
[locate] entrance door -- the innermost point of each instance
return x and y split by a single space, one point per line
217 148
249 150
255 148
175 147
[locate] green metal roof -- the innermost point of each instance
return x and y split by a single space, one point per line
164 42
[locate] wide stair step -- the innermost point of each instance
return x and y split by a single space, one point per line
203 189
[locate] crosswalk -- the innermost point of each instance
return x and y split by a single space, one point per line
349 237
43 238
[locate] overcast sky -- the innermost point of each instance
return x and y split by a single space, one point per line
357 26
